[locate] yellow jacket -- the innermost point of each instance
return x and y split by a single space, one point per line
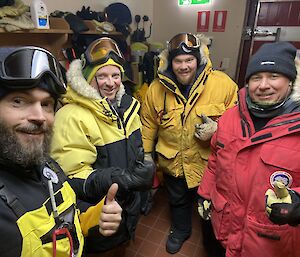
169 120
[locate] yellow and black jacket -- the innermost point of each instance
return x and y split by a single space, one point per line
169 118
90 135
26 213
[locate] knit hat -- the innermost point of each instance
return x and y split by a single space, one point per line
45 83
278 57
90 70
3 90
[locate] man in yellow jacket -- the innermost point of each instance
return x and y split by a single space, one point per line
179 116
97 140
38 208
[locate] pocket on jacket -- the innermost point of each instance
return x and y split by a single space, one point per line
213 111
220 215
166 151
168 120
204 153
282 159
268 240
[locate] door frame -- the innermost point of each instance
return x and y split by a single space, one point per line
247 40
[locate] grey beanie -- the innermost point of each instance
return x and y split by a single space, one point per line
278 57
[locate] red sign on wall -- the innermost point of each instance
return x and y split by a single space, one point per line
219 21
203 21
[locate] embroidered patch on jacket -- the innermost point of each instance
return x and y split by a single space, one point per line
281 176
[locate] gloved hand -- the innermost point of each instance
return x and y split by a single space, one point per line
205 130
156 182
204 208
146 202
283 205
137 178
148 157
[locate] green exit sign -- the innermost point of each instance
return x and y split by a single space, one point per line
190 2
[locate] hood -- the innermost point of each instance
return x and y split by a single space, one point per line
204 55
78 83
295 96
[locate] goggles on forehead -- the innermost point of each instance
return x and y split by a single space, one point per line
101 50
26 66
188 39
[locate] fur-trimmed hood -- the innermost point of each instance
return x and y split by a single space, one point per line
78 83
204 54
295 96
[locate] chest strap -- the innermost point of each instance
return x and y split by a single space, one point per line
12 201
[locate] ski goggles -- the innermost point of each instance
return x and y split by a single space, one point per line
101 50
26 66
190 41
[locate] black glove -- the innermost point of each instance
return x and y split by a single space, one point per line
146 202
285 213
75 22
88 14
283 205
137 179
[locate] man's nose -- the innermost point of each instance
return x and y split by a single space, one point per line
109 81
264 83
183 66
36 113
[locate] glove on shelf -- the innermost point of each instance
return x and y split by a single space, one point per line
283 205
205 130
204 208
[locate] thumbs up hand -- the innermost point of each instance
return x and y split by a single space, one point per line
206 129
279 195
283 205
111 214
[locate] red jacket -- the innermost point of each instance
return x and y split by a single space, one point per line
241 168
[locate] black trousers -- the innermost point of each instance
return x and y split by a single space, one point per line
212 246
181 200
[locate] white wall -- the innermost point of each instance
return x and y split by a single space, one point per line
141 7
170 19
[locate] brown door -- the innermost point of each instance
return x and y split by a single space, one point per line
267 21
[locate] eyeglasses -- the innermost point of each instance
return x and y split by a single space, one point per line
101 50
188 39
26 66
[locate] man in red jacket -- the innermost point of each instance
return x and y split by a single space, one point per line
255 158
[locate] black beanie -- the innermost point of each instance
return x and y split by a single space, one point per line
278 57
3 90
44 83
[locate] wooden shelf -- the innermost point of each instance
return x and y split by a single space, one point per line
54 39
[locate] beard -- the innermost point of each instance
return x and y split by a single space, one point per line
186 80
29 154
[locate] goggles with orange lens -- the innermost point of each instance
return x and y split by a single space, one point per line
190 41
101 50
